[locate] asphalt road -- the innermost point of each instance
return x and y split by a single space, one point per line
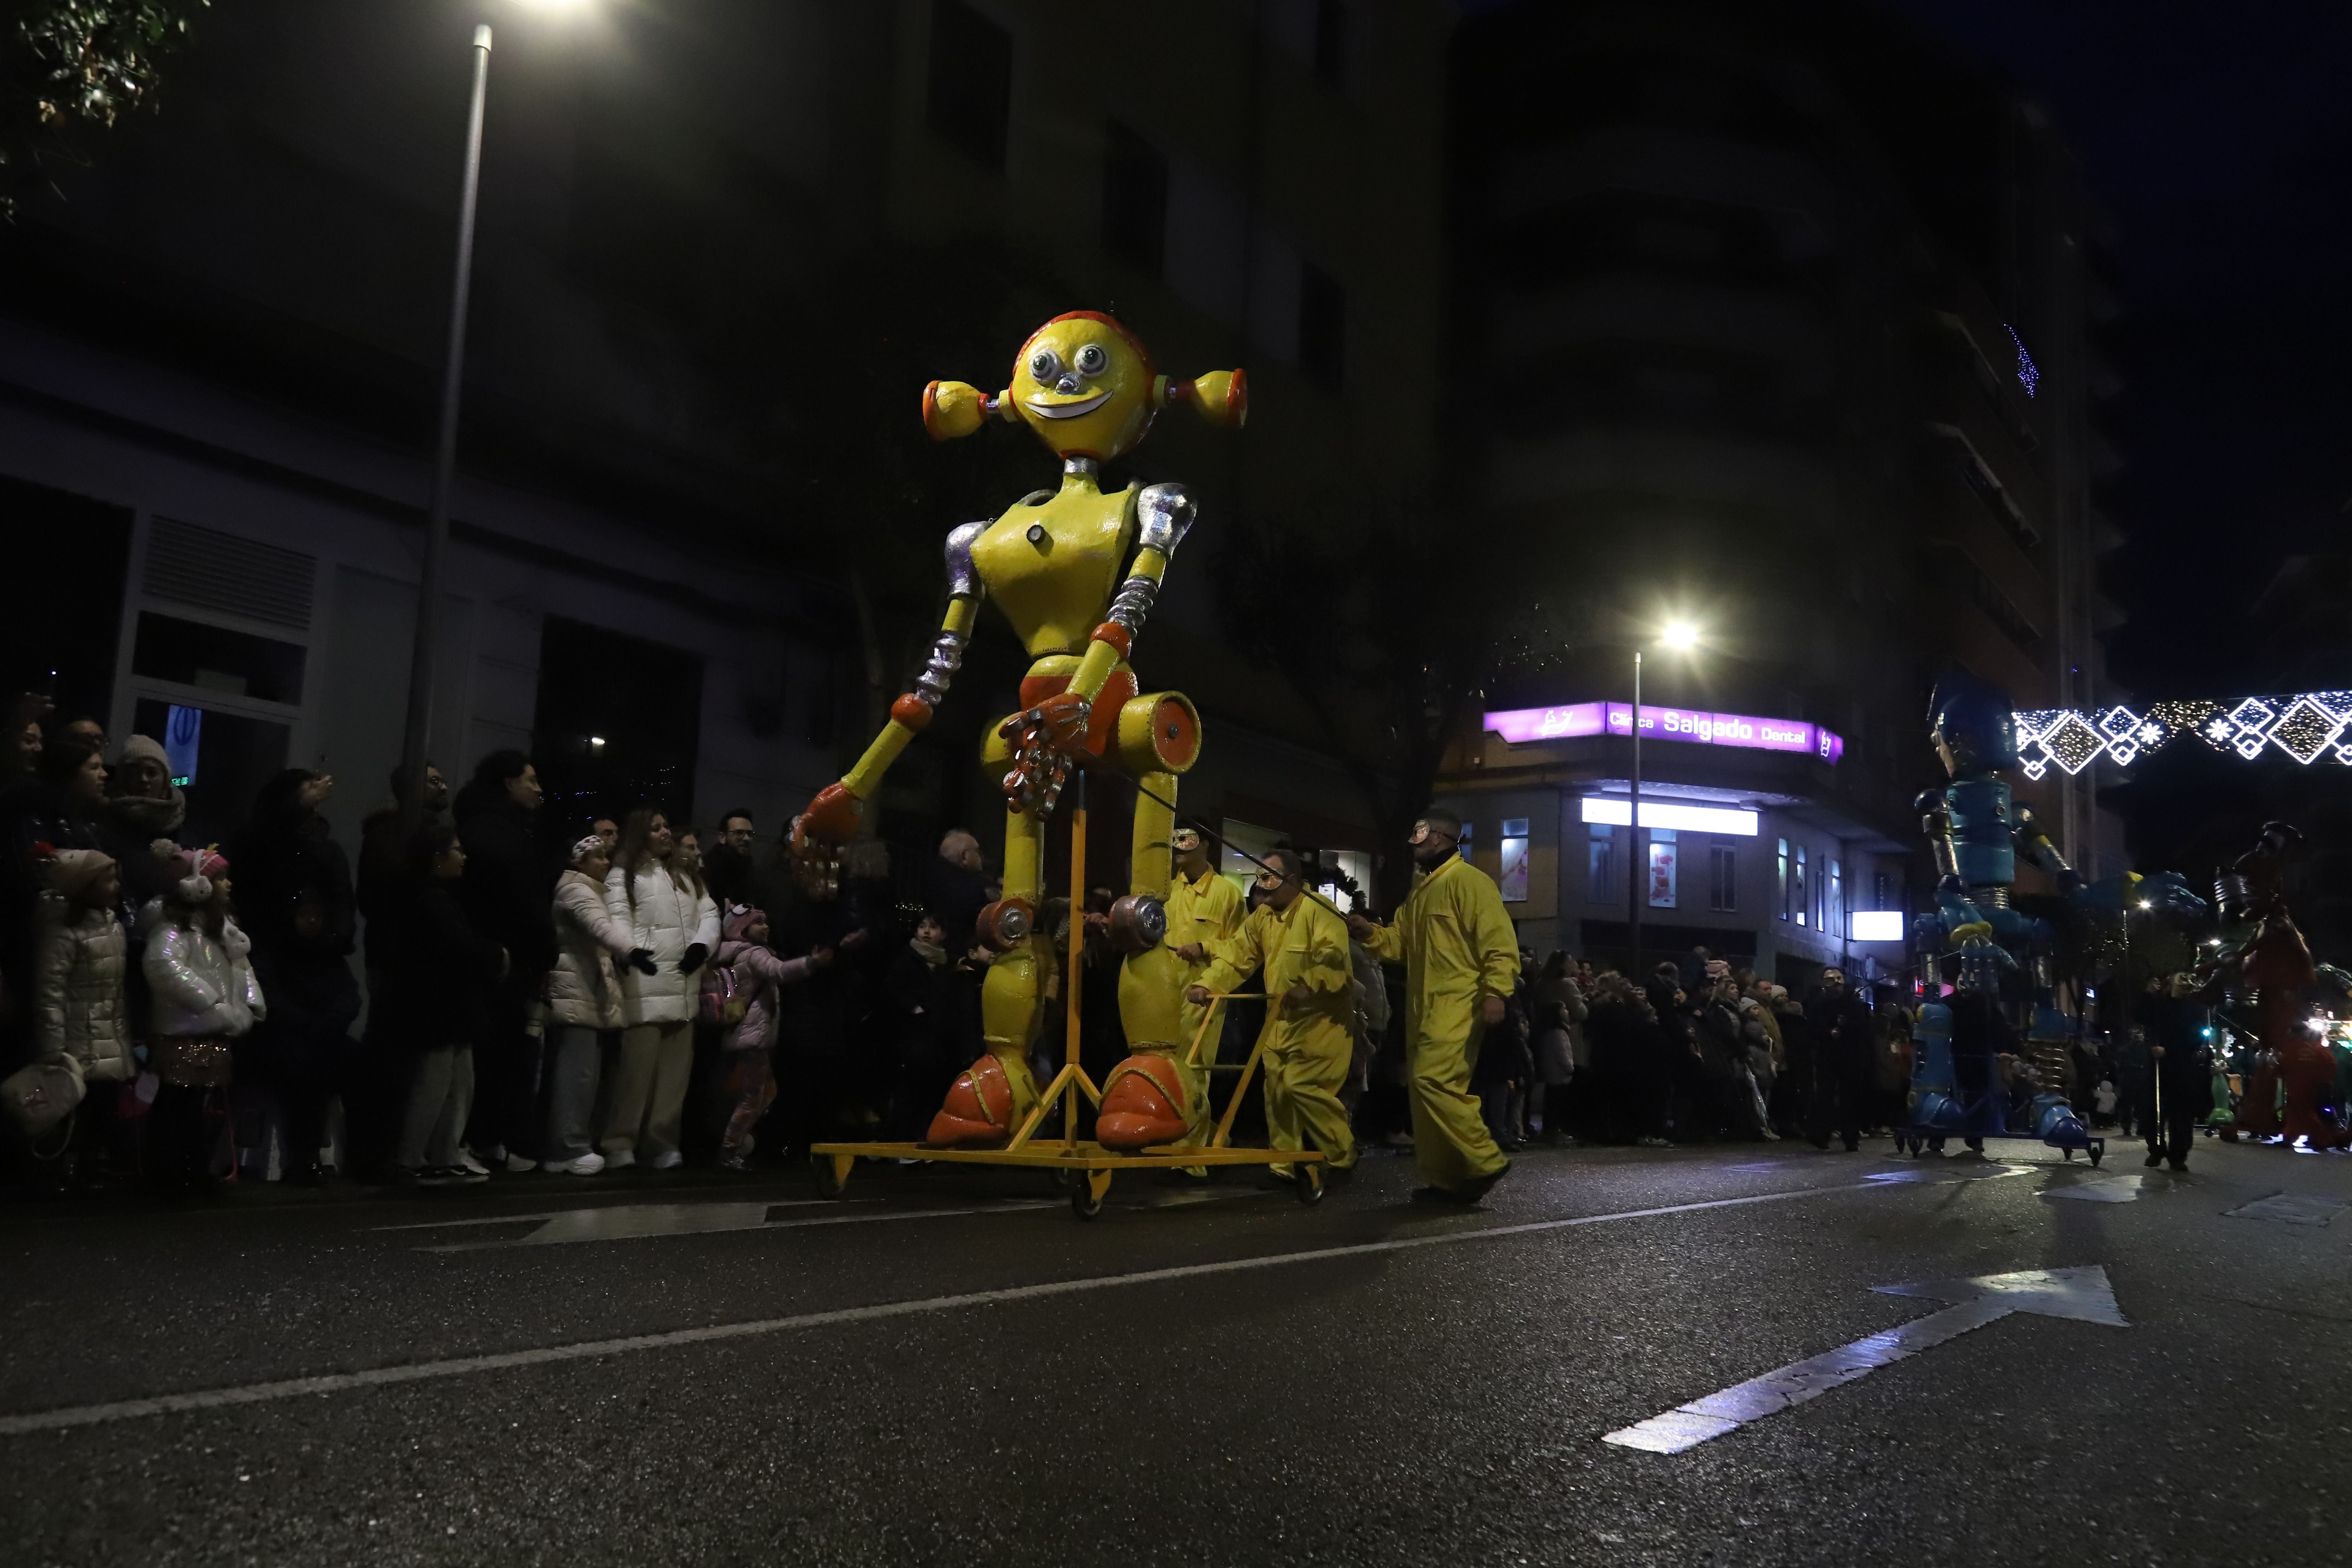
947 1367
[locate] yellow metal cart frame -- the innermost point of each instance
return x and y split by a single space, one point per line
1085 1165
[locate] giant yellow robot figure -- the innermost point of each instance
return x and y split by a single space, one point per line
1088 389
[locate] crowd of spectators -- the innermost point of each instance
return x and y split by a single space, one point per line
490 992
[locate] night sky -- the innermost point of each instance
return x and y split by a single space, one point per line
2217 139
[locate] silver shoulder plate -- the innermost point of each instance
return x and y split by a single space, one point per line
1164 514
963 578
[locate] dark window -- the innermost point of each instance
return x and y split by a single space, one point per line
1601 874
618 724
1322 325
220 759
59 539
1782 876
971 105
1135 198
1796 890
1331 40
1997 606
217 660
1723 877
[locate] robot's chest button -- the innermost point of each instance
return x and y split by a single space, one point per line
1038 535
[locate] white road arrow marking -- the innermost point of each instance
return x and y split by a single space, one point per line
2083 1294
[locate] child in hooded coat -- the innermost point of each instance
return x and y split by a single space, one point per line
80 1012
748 1086
203 996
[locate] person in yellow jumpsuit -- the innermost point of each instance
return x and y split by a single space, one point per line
1203 908
1302 946
1460 957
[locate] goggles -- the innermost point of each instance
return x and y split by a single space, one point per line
1184 840
1423 833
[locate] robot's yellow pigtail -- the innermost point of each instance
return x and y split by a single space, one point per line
1221 397
953 408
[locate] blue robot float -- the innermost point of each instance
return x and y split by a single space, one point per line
1977 830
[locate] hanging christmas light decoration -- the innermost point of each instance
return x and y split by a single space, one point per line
2029 375
2306 726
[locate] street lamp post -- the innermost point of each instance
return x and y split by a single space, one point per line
1637 864
1681 637
424 654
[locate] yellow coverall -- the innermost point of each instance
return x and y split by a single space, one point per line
1309 1043
1457 947
1200 913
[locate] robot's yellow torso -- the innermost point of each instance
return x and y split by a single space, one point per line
1052 567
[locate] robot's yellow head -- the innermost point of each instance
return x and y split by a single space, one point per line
1087 387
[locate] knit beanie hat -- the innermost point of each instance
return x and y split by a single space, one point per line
740 918
144 748
71 872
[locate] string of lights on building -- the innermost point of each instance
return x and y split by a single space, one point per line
2029 375
2307 726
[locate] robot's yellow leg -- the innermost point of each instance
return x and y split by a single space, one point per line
1151 1007
995 1095
1010 1005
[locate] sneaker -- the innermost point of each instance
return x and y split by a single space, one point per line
620 1159
733 1163
463 1175
466 1161
588 1164
668 1160
422 1176
517 1164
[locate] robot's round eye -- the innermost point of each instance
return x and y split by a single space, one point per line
1044 365
1092 361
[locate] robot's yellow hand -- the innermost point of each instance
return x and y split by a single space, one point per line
830 818
1045 738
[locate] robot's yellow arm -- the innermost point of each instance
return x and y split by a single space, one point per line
837 809
1164 514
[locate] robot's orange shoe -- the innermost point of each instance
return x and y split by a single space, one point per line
978 1108
1142 1104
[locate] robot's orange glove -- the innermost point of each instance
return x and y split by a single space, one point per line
831 817
1057 724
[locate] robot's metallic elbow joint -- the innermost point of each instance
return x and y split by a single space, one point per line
963 578
946 657
1163 515
1133 603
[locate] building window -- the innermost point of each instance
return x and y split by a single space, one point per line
1331 43
1322 324
1723 877
1797 888
618 723
1781 860
1511 874
970 103
1664 868
1600 872
1833 917
1134 199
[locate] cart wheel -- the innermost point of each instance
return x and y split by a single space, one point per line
1066 1177
1308 1185
832 1173
1087 1196
2097 1150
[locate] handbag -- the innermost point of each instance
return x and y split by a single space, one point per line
724 998
40 1096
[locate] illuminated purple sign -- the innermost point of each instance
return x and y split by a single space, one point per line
1523 724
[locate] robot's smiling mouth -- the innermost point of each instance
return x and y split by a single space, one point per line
1069 410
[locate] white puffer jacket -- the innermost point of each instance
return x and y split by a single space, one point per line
668 917
584 989
80 1009
201 987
